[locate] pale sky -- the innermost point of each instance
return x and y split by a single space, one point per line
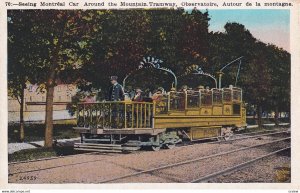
269 26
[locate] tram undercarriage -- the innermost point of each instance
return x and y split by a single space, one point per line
126 140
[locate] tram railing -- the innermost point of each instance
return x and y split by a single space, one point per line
117 115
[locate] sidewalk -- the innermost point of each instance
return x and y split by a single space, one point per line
14 147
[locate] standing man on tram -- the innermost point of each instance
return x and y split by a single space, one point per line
116 91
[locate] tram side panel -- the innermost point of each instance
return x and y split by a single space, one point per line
197 116
204 122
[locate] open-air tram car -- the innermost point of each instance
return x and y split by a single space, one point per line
175 116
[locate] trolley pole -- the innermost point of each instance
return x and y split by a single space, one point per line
220 74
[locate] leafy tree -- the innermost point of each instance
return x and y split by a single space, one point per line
265 71
57 41
117 47
86 47
279 64
177 37
19 60
257 81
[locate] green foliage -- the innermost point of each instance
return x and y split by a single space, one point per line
265 72
85 47
36 132
19 59
31 154
72 107
40 153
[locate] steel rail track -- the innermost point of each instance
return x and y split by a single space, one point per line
235 168
54 167
192 160
96 153
263 131
51 158
182 146
253 136
236 139
65 165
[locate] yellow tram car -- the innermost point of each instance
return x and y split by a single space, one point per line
190 115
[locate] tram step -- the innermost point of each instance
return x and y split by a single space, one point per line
98 150
131 148
97 147
133 144
96 140
98 144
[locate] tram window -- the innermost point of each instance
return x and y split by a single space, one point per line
227 95
206 98
236 95
177 101
236 109
193 100
217 97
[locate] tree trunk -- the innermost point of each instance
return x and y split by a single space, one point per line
259 115
22 135
49 99
49 116
276 116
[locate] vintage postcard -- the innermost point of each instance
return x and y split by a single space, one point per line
141 94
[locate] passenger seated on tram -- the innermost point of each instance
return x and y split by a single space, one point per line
127 96
172 92
182 96
190 91
90 98
200 88
184 88
206 96
157 96
138 96
174 99
129 92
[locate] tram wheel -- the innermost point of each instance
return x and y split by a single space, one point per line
170 145
155 148
226 138
227 133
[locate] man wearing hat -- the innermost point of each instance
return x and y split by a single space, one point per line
138 96
116 92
